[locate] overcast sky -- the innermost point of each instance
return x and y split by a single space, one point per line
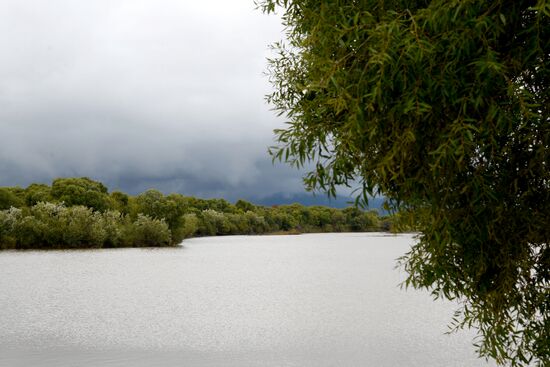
138 94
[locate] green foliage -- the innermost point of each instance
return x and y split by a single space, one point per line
244 205
147 232
256 224
120 201
36 193
444 108
29 233
9 198
52 225
283 220
49 220
81 191
80 226
8 221
190 225
113 225
214 223
168 208
219 205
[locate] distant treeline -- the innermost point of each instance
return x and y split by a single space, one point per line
81 213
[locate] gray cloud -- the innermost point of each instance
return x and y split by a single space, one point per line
140 94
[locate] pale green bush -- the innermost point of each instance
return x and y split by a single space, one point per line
146 231
214 223
8 221
190 225
82 227
113 223
256 223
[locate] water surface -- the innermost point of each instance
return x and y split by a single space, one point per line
309 300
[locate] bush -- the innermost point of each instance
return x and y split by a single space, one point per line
8 199
190 225
214 223
256 223
81 191
54 226
82 227
113 224
46 218
75 213
29 233
49 225
36 193
8 221
147 232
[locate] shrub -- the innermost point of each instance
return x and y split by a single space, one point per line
8 221
256 223
36 193
82 227
81 191
29 233
113 223
214 223
8 199
146 232
73 227
190 225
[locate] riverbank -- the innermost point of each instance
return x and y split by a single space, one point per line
82 213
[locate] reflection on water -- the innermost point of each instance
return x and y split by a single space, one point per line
308 300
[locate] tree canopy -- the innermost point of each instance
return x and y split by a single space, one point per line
443 107
81 213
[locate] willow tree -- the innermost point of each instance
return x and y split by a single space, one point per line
443 107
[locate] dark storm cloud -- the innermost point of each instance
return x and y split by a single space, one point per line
139 94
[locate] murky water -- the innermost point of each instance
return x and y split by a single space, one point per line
309 300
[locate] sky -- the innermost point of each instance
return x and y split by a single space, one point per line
139 94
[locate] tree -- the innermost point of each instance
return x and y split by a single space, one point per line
81 191
244 205
153 203
147 231
120 201
443 107
9 199
36 193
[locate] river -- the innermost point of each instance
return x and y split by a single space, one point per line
308 300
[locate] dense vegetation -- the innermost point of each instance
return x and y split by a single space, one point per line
81 213
442 106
